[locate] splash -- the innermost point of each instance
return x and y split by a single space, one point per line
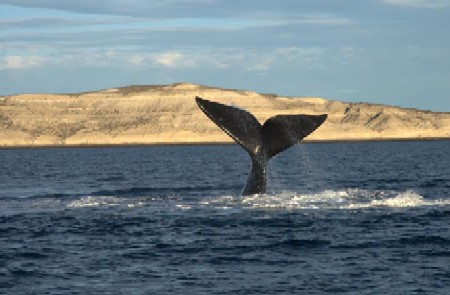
327 199
330 199
97 201
128 202
407 199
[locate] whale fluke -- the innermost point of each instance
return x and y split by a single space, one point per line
261 142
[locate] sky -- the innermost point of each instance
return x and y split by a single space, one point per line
394 52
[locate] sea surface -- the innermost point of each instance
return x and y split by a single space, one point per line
338 218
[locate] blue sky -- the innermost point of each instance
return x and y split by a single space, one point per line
393 52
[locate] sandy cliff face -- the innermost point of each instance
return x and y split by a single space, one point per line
168 114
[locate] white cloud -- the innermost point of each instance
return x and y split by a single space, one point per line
321 19
254 60
419 3
16 62
172 59
250 60
169 59
302 53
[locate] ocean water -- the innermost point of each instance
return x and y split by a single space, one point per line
349 218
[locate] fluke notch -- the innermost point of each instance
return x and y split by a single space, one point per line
262 142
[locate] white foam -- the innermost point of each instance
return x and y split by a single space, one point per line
183 207
327 199
288 200
408 199
96 201
330 199
128 202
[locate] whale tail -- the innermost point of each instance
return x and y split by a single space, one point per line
262 142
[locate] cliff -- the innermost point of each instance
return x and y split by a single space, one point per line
168 114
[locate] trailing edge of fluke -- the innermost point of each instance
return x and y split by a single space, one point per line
262 142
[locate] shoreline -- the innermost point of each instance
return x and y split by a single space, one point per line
167 115
168 144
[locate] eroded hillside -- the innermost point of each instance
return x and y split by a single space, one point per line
168 114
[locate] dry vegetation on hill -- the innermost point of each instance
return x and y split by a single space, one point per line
168 114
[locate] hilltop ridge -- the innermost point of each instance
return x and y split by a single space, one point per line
167 114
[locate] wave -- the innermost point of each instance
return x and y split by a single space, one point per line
330 199
96 201
113 201
327 199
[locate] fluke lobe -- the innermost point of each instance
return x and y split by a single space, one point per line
261 142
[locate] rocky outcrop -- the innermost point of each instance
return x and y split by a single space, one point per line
168 114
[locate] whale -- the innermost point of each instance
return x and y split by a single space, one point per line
262 142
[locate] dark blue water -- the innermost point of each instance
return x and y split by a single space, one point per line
350 218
